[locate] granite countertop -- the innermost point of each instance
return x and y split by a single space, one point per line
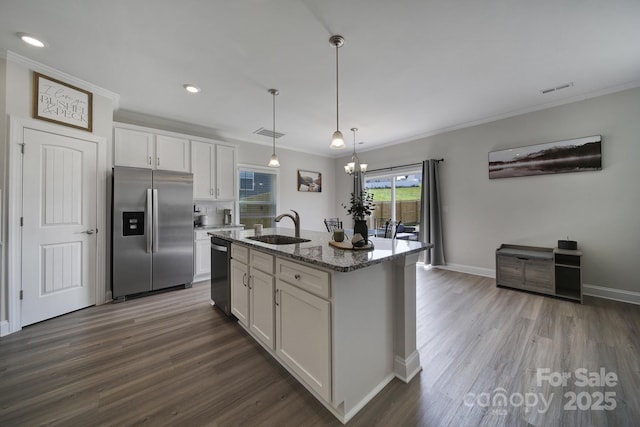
217 226
318 251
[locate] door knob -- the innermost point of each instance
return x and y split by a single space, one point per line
89 231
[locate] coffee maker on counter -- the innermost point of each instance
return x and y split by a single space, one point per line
227 217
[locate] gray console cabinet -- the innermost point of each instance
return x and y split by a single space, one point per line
549 271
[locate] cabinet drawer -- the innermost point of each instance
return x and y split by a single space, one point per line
307 278
261 261
510 270
539 274
240 253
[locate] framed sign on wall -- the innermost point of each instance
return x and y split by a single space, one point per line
59 102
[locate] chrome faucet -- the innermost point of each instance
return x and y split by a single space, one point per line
296 220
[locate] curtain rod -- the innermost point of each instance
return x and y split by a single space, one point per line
401 166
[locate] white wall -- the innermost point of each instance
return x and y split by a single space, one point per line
601 210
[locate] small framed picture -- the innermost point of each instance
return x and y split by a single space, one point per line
309 181
59 102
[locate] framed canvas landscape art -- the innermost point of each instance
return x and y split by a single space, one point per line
572 155
309 181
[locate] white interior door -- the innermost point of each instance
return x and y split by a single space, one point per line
58 233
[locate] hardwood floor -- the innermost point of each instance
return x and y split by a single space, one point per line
171 359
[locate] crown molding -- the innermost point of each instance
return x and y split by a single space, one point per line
57 74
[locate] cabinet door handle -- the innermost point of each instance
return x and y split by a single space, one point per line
149 160
297 276
277 297
249 280
158 160
244 276
218 192
211 191
523 258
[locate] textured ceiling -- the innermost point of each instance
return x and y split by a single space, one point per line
408 68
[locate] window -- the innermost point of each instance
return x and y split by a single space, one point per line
397 198
247 179
257 198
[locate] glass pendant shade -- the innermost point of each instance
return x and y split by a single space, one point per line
274 162
337 141
350 167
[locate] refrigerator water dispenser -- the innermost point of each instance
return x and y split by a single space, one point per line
132 223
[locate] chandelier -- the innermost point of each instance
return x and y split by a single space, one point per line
355 165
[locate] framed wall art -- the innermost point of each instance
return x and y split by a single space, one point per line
572 155
59 102
309 181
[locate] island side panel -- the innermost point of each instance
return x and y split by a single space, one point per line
363 328
407 358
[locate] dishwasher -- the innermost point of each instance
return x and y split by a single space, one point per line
221 274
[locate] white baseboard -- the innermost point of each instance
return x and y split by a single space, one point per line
612 294
590 290
477 271
4 328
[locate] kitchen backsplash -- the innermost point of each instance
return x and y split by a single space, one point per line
214 211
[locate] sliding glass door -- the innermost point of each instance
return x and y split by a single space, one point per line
397 198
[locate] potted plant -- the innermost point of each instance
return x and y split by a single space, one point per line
360 206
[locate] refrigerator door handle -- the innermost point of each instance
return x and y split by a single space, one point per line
147 220
155 220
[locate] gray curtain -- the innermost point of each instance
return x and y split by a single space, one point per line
431 214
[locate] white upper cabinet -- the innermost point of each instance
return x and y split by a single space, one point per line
213 168
213 164
133 148
225 172
172 153
203 159
146 148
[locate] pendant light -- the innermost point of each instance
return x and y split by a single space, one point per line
337 140
354 165
274 162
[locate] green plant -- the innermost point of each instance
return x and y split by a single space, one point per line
360 206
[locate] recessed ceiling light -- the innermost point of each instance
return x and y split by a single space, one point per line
29 39
191 88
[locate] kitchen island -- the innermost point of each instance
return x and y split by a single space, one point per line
343 322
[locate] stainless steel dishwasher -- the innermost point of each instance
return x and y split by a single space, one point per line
221 274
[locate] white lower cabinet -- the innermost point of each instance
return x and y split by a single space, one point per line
303 336
261 307
290 314
252 292
201 256
240 291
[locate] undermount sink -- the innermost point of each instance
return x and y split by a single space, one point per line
278 239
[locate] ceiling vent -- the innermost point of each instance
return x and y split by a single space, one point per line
268 133
557 88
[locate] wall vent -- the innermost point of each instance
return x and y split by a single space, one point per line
557 88
268 133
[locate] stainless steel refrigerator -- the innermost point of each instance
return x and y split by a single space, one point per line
152 240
